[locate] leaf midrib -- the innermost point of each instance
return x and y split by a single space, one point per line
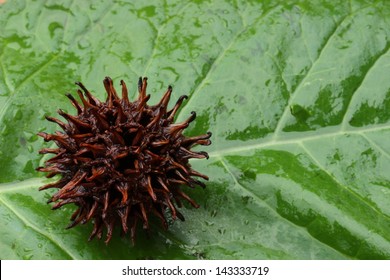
298 137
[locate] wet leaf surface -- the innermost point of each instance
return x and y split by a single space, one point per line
297 96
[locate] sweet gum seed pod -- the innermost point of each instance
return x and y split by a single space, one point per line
120 162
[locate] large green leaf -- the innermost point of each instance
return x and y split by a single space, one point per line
296 93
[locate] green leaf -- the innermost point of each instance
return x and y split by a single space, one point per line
296 93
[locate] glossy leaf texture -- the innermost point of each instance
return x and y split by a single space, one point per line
296 93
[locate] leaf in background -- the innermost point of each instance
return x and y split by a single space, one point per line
297 96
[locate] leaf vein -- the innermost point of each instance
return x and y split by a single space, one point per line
219 57
66 25
324 46
309 136
264 203
158 35
36 229
29 77
348 111
353 193
94 23
6 82
375 145
21 185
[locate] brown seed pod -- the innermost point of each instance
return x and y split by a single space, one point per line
120 161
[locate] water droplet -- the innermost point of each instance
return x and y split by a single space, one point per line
199 255
7 217
28 257
48 226
245 199
246 222
30 148
83 44
33 138
39 245
208 223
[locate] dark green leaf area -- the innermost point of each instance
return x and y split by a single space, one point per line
328 213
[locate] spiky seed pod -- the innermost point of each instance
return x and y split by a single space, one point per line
120 161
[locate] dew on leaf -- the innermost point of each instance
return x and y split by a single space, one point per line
28 256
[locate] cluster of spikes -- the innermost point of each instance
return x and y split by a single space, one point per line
120 162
